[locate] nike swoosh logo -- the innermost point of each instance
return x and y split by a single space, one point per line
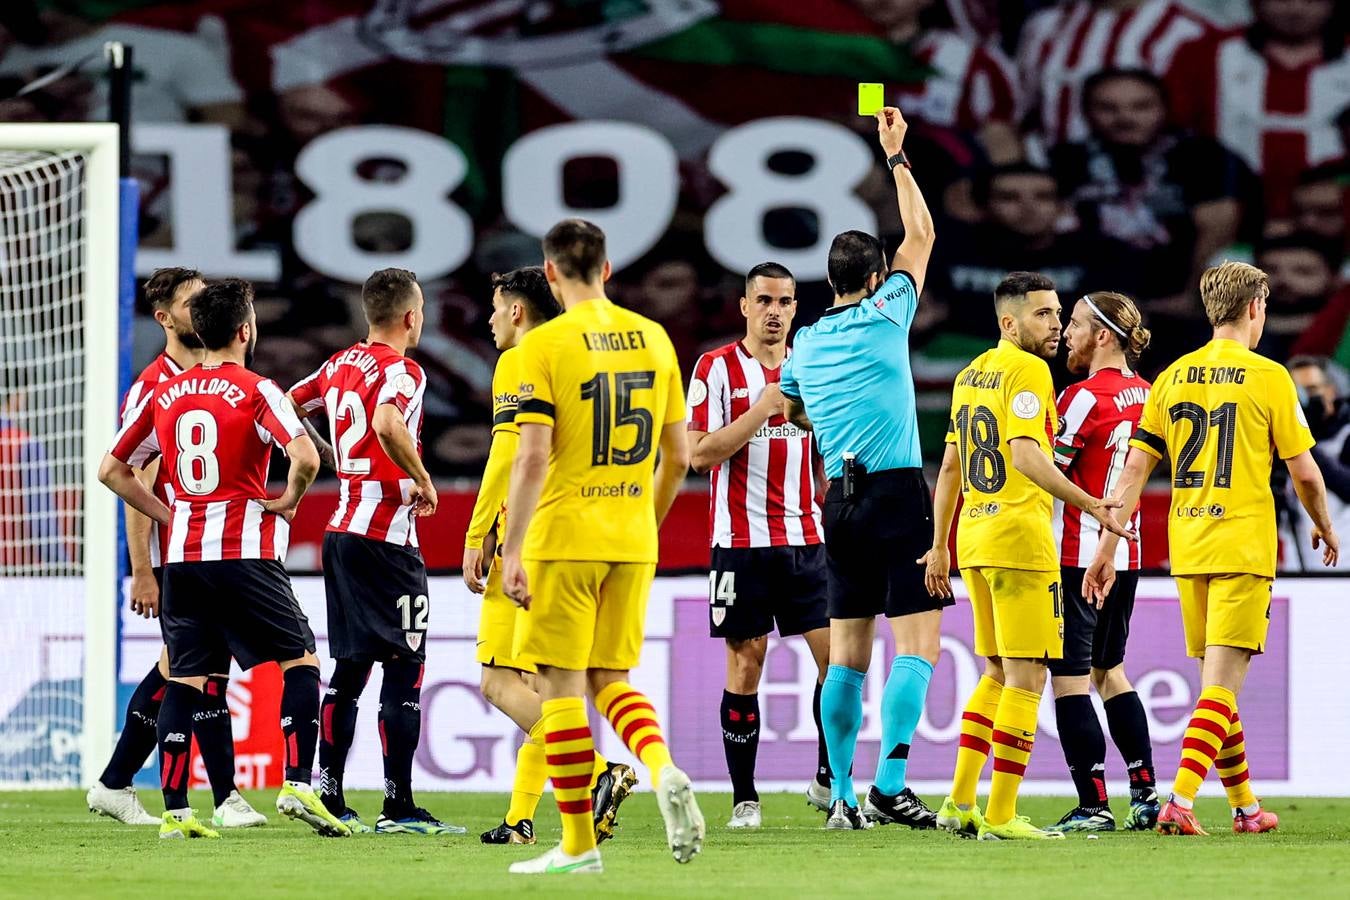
570 867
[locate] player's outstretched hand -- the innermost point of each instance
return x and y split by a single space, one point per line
283 506
1098 579
144 595
891 128
423 498
514 583
473 569
1102 511
1330 545
937 575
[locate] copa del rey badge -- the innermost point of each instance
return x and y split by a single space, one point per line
414 639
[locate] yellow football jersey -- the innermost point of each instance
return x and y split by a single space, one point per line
490 506
608 381
1221 413
1004 393
505 391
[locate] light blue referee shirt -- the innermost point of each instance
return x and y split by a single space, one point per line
851 372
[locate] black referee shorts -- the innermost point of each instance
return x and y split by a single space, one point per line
1093 638
872 541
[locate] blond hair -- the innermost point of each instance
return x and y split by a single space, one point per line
1119 314
1227 289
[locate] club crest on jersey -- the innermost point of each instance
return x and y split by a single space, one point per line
719 615
414 639
1026 405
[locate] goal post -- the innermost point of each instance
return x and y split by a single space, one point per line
59 261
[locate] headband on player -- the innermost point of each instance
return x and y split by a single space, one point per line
1100 315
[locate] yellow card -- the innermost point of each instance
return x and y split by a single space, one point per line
871 97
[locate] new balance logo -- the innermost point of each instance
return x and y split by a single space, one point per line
175 737
285 721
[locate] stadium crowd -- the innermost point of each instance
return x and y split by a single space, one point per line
1112 144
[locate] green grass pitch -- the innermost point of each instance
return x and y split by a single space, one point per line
51 847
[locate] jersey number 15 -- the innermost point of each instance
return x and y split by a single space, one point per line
611 396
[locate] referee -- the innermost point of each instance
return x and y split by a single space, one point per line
849 380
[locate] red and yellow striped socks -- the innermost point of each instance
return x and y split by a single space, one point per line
570 754
634 721
1205 736
1014 735
1232 766
977 729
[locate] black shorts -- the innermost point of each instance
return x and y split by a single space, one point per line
245 608
872 541
1094 639
751 588
377 599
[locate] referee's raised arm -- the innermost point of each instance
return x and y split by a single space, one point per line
912 254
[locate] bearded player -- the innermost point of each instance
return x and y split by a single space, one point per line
169 292
521 299
1222 413
226 591
1098 415
999 459
374 575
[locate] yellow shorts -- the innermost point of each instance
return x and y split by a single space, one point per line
584 615
497 626
1225 610
1018 614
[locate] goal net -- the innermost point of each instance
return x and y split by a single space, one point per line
58 395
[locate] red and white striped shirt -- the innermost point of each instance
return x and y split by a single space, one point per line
214 426
1061 46
765 494
161 368
970 85
1097 416
1279 120
373 498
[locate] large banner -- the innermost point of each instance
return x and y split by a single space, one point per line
469 746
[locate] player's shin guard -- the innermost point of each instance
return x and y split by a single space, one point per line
400 730
1129 732
740 743
901 706
1084 748
841 714
531 774
175 740
337 728
570 755
1205 735
1232 766
215 738
1014 735
977 729
823 774
300 720
137 740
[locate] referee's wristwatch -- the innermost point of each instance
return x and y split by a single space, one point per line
898 159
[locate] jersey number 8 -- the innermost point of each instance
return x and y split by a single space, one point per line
198 469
